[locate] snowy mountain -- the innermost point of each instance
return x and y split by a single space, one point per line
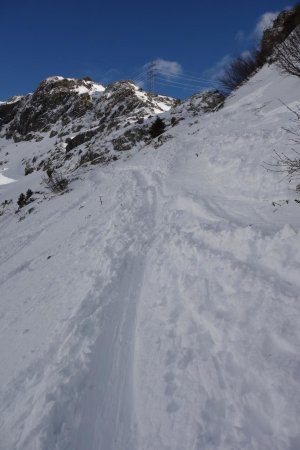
65 119
154 304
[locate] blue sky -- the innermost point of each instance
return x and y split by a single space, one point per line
114 40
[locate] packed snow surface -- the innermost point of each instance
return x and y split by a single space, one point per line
156 305
4 179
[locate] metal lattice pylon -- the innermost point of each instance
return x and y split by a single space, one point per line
151 76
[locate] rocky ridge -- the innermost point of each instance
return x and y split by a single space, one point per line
73 122
283 25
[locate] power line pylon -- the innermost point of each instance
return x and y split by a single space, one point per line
151 76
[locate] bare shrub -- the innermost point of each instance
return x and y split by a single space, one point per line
285 164
56 182
288 54
288 164
238 71
280 42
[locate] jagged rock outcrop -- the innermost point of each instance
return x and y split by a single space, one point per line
73 116
55 99
60 101
9 109
283 25
81 121
80 139
198 104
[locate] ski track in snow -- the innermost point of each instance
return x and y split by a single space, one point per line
167 317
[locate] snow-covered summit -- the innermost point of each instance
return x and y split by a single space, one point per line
58 100
65 113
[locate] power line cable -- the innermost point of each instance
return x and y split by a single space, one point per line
137 80
182 83
187 77
193 75
181 86
151 74
140 74
192 83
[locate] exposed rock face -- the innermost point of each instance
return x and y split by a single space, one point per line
198 104
282 26
9 109
129 138
55 99
125 103
205 102
61 101
80 138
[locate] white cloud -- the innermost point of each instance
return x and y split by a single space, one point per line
265 21
167 67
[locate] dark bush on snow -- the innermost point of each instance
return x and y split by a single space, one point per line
25 199
157 128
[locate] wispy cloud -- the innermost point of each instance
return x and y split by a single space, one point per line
217 70
168 68
264 21
244 39
241 37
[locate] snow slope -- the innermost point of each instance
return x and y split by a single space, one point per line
155 306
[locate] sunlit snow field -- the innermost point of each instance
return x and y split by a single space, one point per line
156 305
